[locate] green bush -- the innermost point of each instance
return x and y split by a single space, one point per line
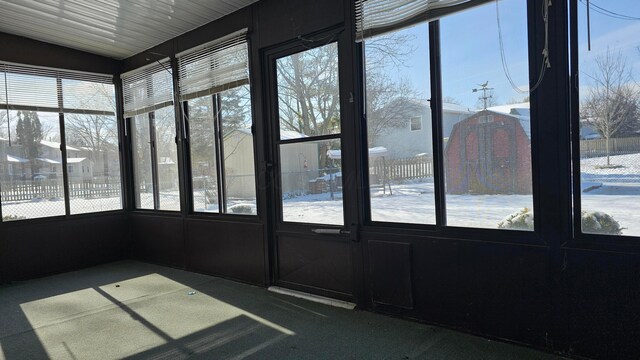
596 222
12 217
593 222
210 196
241 209
520 220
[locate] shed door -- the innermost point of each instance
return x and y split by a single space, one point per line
489 155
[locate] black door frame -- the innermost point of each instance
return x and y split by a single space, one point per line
349 230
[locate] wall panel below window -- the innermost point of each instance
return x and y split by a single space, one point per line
29 250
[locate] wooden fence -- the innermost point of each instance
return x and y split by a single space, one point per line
400 169
598 147
28 190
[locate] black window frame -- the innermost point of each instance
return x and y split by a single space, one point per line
579 239
216 101
441 228
62 110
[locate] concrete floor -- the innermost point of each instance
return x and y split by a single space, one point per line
130 309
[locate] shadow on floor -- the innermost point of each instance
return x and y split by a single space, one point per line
135 310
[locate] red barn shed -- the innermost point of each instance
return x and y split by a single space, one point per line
489 153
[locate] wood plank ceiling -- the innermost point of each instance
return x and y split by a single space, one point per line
113 28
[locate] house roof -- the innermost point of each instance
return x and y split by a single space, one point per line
75 160
512 109
55 145
290 134
374 152
49 161
164 160
514 112
447 107
16 159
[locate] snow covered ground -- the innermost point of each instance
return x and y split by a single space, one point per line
618 195
410 203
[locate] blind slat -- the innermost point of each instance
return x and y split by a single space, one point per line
221 64
24 87
146 87
378 16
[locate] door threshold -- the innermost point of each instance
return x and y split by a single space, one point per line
311 297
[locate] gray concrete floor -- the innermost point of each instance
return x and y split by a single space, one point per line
130 309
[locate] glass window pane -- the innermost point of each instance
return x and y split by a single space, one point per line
609 103
167 151
486 127
399 126
308 93
239 168
31 176
142 173
203 155
311 182
93 163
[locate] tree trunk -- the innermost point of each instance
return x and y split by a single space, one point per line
608 151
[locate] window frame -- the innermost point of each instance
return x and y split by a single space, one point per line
60 74
182 107
419 128
440 228
579 239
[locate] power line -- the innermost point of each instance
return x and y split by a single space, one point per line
609 13
546 63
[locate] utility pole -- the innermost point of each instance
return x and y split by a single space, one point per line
484 88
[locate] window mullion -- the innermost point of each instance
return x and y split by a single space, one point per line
217 126
154 161
63 149
436 123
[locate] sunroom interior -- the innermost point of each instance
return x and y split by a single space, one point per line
467 165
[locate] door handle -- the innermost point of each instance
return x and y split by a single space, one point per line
328 231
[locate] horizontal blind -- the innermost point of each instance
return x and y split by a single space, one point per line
148 88
88 96
378 16
32 88
214 67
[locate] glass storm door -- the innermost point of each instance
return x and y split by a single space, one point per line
311 247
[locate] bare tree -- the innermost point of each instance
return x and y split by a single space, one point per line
389 104
612 102
308 89
97 133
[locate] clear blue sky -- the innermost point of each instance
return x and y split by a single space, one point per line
609 32
471 51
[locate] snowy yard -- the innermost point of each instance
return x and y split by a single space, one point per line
616 192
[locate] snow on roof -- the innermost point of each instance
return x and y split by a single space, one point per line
455 108
448 107
49 161
519 111
374 152
284 134
512 109
55 145
15 159
290 134
166 161
75 160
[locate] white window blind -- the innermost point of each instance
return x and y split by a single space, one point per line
82 95
147 88
375 17
33 88
214 67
